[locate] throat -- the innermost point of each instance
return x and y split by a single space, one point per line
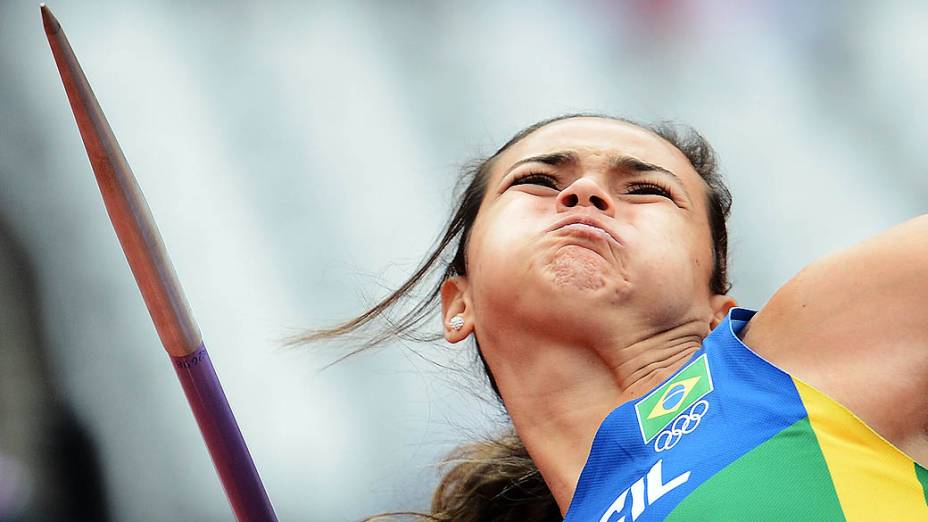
558 397
647 377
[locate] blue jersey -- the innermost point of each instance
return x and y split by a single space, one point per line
731 437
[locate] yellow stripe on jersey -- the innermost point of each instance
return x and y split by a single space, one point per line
874 479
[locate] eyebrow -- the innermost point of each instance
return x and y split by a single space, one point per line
617 162
553 158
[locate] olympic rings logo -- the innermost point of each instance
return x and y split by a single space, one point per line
682 425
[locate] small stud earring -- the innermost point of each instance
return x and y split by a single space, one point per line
456 322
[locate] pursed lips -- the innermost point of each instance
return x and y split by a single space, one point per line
580 223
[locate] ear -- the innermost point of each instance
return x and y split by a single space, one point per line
720 304
455 300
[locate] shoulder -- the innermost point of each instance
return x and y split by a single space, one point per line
873 292
855 325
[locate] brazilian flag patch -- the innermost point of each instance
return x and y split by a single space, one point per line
660 407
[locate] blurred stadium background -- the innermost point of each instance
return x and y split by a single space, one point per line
299 159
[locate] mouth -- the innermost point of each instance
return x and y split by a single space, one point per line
585 226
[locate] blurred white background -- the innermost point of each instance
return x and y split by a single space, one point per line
299 159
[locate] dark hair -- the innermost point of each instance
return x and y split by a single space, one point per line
495 479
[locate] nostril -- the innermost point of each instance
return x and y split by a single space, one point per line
571 200
599 202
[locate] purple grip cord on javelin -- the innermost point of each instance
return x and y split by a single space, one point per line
220 431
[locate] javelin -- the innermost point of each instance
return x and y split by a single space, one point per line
160 289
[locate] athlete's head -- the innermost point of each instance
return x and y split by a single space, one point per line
660 252
655 192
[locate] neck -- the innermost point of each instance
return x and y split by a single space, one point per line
559 391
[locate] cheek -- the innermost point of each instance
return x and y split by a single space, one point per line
487 245
698 257
501 231
673 250
502 252
487 277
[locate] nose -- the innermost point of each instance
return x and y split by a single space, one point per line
585 192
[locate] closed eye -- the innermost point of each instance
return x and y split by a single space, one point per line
649 189
536 178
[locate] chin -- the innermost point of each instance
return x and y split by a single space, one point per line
581 271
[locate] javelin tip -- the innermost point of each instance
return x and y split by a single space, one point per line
49 21
125 204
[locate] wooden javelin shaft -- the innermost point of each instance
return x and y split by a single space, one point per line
154 273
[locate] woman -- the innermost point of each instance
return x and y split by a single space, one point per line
591 268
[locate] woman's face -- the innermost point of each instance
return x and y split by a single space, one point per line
586 217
